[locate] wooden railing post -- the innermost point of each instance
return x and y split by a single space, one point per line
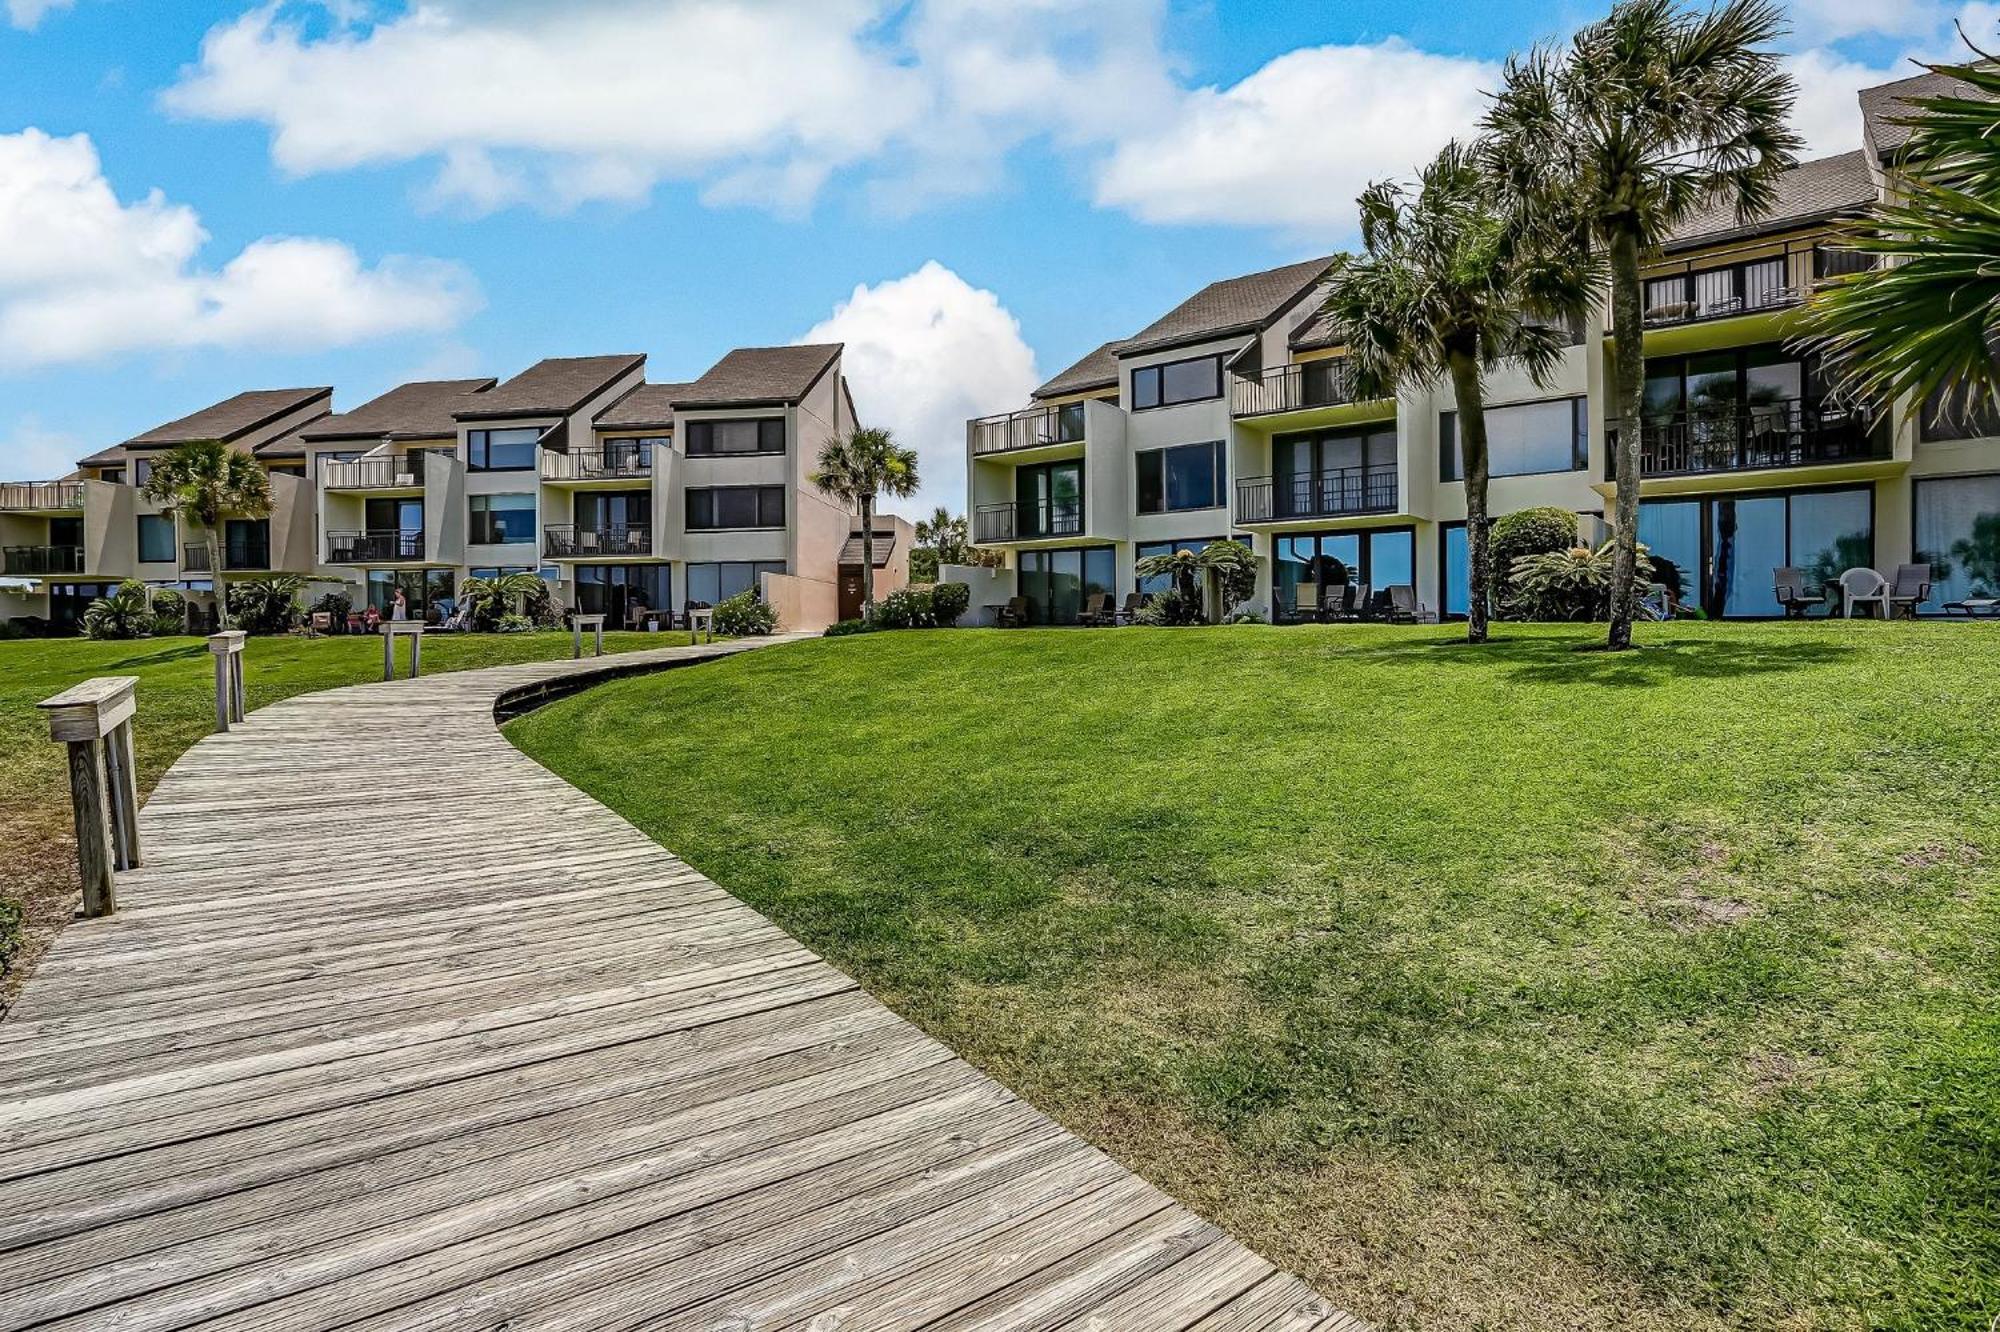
701 625
579 623
227 648
95 720
391 631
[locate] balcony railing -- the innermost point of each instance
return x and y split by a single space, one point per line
387 472
1292 388
1791 432
194 558
1337 493
1668 314
32 560
385 546
1035 428
570 542
61 495
1028 522
613 462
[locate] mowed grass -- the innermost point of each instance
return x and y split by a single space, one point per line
1502 988
176 708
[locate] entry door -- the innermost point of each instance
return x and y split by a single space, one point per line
850 594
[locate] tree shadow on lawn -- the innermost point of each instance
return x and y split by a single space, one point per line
161 657
1565 661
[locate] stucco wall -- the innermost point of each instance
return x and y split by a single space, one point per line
803 604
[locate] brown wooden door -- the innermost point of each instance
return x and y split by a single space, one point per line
850 594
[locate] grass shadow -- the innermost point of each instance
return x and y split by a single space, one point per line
1565 661
161 657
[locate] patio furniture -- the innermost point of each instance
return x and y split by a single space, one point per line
1305 602
1097 612
1404 608
1788 585
1129 612
355 624
1863 587
1974 608
1912 588
1014 615
319 622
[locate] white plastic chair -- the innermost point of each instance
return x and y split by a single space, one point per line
1860 587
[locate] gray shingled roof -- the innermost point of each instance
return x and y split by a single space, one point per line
647 405
1097 370
229 419
1809 192
885 543
1883 105
760 375
1315 334
291 444
553 387
419 410
1233 305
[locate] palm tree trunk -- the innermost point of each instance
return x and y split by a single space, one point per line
867 557
1471 401
215 579
1629 393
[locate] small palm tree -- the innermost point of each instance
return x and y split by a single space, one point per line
1445 290
206 480
855 469
947 534
1927 319
1652 114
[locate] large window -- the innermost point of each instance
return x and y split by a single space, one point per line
1725 552
1055 582
156 538
765 434
1158 582
428 594
616 591
719 507
1048 501
1187 476
501 450
1379 559
1522 439
1949 416
1718 291
246 543
612 511
1194 380
1958 534
719 581
501 520
1320 475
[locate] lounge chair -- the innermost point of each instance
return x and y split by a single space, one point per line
1789 587
1014 615
1911 589
1129 612
1404 608
1097 612
1863 587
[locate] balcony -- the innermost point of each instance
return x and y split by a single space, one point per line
41 496
1694 310
194 558
1791 432
1292 388
1343 492
405 472
386 546
613 462
1040 521
570 542
1036 428
30 561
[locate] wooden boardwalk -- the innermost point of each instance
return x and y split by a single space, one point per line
396 1029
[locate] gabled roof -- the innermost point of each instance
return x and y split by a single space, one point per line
645 407
1314 334
553 387
419 410
756 376
885 545
291 444
1884 104
229 421
1097 370
1234 305
1814 191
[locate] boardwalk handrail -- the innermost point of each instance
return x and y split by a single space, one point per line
94 719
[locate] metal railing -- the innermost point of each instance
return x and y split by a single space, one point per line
567 541
612 462
1028 522
1329 494
194 558
29 560
1673 313
63 495
383 546
1791 432
400 472
1036 428
1292 388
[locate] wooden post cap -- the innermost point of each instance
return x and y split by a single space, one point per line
91 710
229 640
402 626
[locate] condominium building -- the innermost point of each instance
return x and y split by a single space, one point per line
629 497
1235 415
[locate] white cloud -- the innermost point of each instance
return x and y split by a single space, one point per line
28 14
1828 114
33 451
1832 20
1297 140
926 352
85 276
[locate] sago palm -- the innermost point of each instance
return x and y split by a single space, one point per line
206 480
856 468
1928 318
1649 116
1445 290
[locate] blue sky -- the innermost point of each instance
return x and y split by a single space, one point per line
201 197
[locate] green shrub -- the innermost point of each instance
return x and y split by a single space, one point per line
514 624
1175 606
1569 585
1235 573
266 605
126 613
1514 536
905 608
169 611
949 601
337 604
10 932
846 627
743 616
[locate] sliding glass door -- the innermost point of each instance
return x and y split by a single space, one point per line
1055 582
1724 553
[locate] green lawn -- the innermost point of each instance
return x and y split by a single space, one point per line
1504 988
176 708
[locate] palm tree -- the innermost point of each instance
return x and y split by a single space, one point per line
205 480
1651 114
854 469
1926 321
947 534
1445 290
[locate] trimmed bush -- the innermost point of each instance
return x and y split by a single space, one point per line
1542 531
743 616
266 605
905 608
846 627
126 613
1175 606
1572 584
949 601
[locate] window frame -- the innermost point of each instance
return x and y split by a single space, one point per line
708 495
1158 373
173 537
479 448
480 533
699 437
1219 458
1451 465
